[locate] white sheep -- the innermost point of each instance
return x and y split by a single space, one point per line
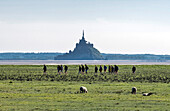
83 89
147 94
134 90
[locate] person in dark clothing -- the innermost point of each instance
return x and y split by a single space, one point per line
45 69
86 68
79 69
61 68
116 69
82 68
133 69
105 68
112 69
58 69
109 69
66 68
96 69
100 69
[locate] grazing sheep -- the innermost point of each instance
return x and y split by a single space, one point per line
147 94
83 89
134 90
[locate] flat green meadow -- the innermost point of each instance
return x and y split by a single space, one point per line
26 88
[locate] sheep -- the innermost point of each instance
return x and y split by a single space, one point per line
134 90
83 89
147 94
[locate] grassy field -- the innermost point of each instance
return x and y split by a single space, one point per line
144 73
26 88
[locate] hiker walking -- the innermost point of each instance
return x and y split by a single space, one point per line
58 69
86 68
112 69
82 68
96 69
45 69
100 69
116 69
79 69
133 69
61 68
109 69
105 68
65 68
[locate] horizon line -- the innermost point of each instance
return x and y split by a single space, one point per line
67 52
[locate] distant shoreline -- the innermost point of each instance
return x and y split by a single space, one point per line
52 56
78 62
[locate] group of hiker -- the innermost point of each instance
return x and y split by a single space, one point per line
59 68
111 69
84 69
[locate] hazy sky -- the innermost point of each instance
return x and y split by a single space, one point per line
113 26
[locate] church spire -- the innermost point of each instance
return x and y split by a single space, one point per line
83 35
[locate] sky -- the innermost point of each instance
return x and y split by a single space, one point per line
113 26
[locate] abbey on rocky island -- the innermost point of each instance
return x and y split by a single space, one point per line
83 51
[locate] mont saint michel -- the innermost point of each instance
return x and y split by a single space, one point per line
83 51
